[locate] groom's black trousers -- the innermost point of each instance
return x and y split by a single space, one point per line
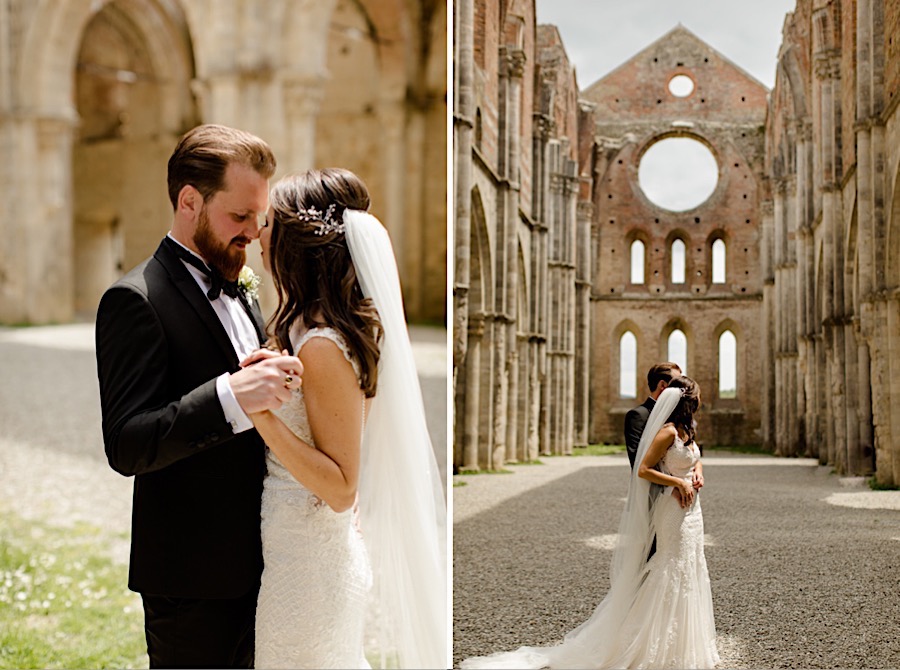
200 633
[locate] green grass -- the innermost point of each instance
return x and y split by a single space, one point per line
598 450
63 603
876 486
739 449
501 471
456 483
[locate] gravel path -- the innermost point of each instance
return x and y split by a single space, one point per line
805 566
52 465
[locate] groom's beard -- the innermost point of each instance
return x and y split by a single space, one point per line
226 258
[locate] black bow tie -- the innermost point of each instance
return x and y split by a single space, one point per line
218 283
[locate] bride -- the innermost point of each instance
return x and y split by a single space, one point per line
353 514
658 612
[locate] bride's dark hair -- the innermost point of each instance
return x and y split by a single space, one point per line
312 269
683 414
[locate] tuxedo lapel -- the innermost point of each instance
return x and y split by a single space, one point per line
191 292
253 311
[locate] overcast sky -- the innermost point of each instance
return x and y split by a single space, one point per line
600 35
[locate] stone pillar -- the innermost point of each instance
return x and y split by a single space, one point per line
514 63
470 407
50 245
584 216
864 391
302 98
463 91
854 457
770 349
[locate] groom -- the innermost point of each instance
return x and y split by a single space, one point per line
174 400
658 379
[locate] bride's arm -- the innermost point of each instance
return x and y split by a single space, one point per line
661 443
334 408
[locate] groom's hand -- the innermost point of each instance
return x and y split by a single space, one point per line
266 381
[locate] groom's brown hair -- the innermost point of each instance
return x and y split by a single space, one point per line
662 372
205 152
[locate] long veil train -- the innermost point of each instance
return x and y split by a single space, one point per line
402 509
595 643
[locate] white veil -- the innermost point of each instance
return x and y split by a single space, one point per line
593 644
401 500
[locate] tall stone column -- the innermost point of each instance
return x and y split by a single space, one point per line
302 98
514 63
770 349
864 391
463 114
471 402
584 216
49 246
854 448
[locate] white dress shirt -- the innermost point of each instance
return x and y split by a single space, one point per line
243 338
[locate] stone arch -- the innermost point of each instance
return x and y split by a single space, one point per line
53 39
684 236
481 282
133 96
673 324
735 328
473 404
718 235
624 326
632 236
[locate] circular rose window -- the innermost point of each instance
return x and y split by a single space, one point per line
681 86
678 173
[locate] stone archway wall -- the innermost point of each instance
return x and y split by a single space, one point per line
382 114
133 73
261 65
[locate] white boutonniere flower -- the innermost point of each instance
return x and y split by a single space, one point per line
248 282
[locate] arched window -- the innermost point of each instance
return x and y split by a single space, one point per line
718 262
727 365
478 129
677 347
678 261
628 365
637 262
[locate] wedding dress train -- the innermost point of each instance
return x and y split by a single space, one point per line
658 614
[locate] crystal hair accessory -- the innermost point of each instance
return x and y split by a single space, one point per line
329 224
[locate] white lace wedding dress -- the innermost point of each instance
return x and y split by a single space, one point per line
667 622
316 578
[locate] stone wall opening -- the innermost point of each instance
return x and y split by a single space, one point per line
678 173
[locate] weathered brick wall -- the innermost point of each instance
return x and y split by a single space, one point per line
487 62
554 62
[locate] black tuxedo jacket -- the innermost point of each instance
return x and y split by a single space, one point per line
197 489
635 420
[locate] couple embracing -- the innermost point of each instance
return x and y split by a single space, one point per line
287 507
658 611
